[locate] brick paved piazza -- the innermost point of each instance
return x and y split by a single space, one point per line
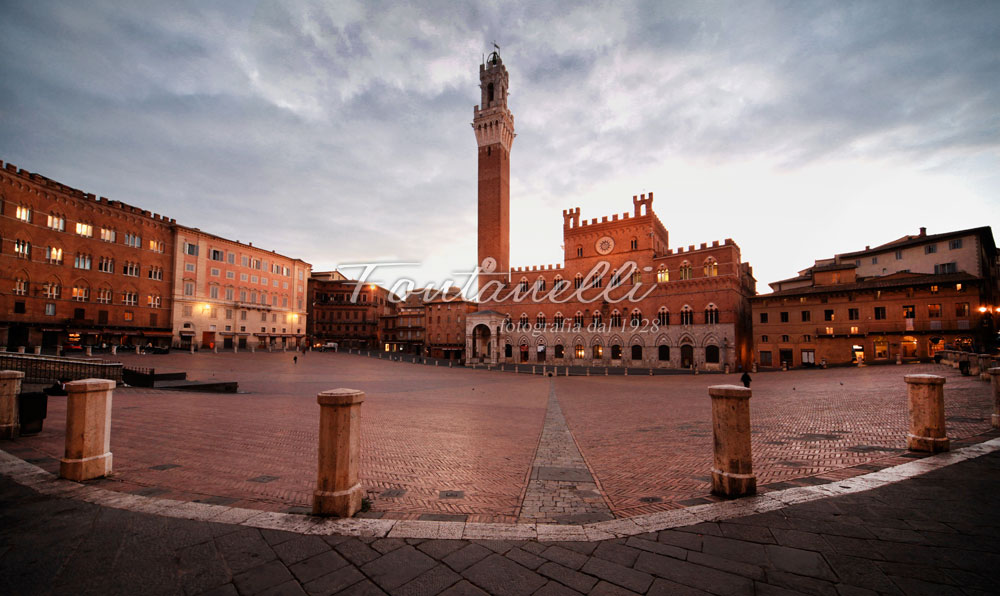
440 443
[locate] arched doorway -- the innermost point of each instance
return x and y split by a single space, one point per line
687 356
481 341
636 352
908 347
712 354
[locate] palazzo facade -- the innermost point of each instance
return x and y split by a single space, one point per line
623 297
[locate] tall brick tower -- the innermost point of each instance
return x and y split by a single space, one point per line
494 126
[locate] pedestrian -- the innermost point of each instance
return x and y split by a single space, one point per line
296 359
745 379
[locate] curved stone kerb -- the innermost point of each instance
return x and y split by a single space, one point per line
340 397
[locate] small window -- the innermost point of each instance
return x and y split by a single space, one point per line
784 316
763 317
930 249
899 255
955 244
879 313
853 314
828 315
764 339
806 316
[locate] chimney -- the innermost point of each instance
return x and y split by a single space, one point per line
923 232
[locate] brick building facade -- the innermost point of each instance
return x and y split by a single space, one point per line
445 316
230 294
622 297
78 269
902 300
337 315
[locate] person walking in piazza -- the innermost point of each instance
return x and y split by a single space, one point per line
745 379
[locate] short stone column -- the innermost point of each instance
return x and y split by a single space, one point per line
926 406
114 350
338 490
10 388
732 470
38 350
90 351
88 430
995 381
20 349
137 350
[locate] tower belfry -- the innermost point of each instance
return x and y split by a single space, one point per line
493 124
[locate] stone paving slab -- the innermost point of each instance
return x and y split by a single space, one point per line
930 529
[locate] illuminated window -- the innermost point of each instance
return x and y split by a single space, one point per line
104 295
57 222
81 293
108 235
51 290
84 229
23 213
711 267
20 287
54 255
130 298
129 315
22 248
662 275
598 352
579 351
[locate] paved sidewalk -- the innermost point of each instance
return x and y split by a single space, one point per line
932 534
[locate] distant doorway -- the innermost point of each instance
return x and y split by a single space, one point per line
687 356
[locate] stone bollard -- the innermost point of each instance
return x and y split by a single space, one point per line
10 388
995 375
754 368
90 351
253 349
236 349
732 470
899 358
588 371
59 351
532 369
215 349
20 349
626 371
338 490
114 350
651 371
926 406
567 371
725 370
38 350
137 350
88 430
605 371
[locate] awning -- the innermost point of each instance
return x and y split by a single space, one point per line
159 333
185 332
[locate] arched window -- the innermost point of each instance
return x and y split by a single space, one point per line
687 315
560 351
662 274
579 250
663 316
540 284
489 93
578 321
712 354
559 283
711 267
636 277
540 320
524 284
634 244
685 270
663 353
711 315
81 292
523 321
616 352
636 352
21 285
51 289
598 352
579 351
616 318
596 319
557 320
635 319
578 281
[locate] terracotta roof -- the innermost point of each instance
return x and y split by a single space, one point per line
876 283
984 232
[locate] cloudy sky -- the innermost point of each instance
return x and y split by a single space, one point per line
339 132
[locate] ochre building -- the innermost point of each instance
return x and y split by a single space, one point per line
228 294
622 297
900 301
79 270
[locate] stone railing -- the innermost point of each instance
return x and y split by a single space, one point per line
48 369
